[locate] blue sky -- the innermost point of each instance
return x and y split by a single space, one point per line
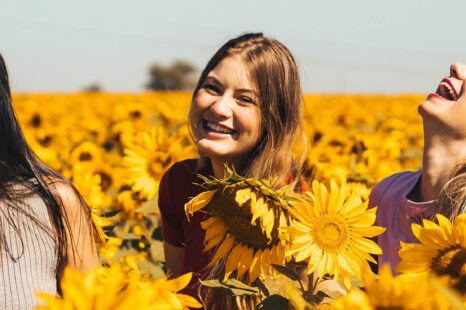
341 46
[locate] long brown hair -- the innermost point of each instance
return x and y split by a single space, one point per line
273 71
452 198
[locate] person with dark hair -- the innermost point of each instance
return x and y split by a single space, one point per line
45 224
408 197
246 112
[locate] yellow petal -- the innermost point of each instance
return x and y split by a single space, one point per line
198 202
233 259
255 267
258 208
245 261
243 195
179 283
222 250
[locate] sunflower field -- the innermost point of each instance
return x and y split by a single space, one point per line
116 147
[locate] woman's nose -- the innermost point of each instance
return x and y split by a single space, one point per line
458 70
222 106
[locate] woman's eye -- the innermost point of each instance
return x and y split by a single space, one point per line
246 100
211 87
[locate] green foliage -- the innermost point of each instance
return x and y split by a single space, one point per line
274 302
177 76
232 286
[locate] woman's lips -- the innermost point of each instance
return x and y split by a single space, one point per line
436 96
446 90
217 131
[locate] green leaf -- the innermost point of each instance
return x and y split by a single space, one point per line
287 271
232 287
329 296
111 213
157 234
262 287
274 302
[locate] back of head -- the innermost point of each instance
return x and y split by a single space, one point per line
273 72
452 198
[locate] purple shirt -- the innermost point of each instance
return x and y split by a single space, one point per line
396 212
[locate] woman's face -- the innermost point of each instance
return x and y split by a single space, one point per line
225 113
445 110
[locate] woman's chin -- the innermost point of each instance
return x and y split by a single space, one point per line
214 152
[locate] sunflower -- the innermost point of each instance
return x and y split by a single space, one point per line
86 153
245 216
332 231
150 157
88 185
114 288
442 249
407 291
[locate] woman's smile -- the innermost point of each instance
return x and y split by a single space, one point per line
217 130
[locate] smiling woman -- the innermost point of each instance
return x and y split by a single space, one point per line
246 112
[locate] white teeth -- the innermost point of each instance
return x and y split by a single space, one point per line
450 89
219 128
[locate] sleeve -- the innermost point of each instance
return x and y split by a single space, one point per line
172 225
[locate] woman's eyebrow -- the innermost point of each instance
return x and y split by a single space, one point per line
245 90
213 79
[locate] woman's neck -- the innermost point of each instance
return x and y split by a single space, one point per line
441 155
218 168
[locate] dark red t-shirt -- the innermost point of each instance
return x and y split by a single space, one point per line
178 185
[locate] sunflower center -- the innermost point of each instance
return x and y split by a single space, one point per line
330 233
156 164
452 262
135 114
238 220
105 180
85 156
36 120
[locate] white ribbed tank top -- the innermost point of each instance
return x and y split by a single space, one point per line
34 261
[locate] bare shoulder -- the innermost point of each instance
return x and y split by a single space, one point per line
66 194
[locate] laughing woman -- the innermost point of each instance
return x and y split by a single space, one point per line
44 222
408 197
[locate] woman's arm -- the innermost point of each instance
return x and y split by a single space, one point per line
81 247
173 258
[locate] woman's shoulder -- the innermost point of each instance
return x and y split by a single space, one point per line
393 187
181 178
66 194
185 168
